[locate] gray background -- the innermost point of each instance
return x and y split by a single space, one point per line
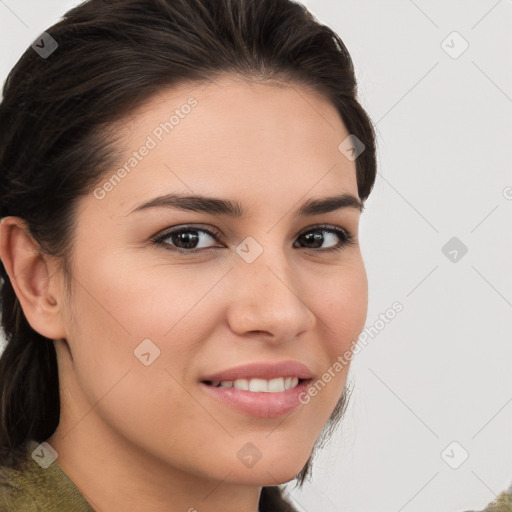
439 372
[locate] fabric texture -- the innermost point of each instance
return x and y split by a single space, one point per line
33 488
502 503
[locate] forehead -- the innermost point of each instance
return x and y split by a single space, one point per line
233 137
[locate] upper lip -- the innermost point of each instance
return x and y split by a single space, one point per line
262 370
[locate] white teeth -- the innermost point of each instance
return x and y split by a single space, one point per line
241 384
277 385
258 385
290 382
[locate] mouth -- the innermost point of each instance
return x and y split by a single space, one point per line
257 385
257 397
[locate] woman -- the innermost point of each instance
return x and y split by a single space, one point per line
181 187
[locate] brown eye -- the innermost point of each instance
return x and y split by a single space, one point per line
336 238
186 239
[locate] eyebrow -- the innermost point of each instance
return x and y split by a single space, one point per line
216 206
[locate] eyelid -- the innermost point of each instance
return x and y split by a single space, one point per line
162 235
334 227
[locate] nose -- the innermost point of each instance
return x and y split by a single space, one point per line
268 299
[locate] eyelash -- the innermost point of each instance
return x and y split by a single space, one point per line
344 235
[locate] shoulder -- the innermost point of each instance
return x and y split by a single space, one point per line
502 503
39 484
16 490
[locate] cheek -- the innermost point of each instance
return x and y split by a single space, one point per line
138 299
340 306
112 318
127 314
343 306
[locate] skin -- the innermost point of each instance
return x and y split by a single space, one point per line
136 437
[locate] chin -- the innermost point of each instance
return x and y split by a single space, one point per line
271 472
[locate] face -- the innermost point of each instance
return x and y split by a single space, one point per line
167 295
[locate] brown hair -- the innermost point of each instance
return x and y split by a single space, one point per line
55 146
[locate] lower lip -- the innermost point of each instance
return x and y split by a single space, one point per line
260 404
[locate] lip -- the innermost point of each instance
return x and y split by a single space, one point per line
259 404
262 370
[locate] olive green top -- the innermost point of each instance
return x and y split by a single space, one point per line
36 488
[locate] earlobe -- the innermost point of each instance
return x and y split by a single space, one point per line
30 277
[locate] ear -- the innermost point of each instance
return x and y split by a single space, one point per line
37 289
